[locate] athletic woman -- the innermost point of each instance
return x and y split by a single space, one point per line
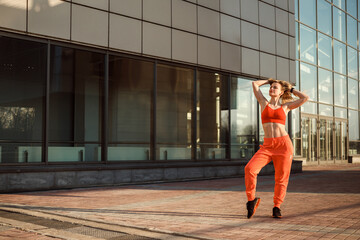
277 144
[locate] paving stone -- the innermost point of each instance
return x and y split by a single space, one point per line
321 203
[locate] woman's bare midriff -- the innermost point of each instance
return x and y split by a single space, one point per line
273 130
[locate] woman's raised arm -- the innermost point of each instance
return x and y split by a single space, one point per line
257 92
297 103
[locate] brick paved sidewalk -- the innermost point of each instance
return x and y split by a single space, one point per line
322 202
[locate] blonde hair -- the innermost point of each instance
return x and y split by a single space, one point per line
286 87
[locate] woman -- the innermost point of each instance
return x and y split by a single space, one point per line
277 144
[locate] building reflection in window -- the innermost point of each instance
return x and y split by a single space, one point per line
174 110
212 116
130 106
243 119
22 95
76 93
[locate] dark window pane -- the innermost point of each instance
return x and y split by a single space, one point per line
76 92
22 94
174 111
213 115
130 101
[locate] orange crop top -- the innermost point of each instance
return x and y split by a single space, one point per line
270 115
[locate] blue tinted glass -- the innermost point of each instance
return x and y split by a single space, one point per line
351 31
353 93
308 80
339 57
352 63
324 16
339 24
351 7
307 12
325 51
296 10
340 3
340 90
325 86
297 40
307 44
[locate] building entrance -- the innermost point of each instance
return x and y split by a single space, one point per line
323 139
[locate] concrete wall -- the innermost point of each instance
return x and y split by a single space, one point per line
62 179
255 37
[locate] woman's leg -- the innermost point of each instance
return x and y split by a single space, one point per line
282 165
252 169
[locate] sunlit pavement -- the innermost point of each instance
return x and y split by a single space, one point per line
322 202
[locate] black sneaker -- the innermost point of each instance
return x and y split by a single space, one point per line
251 207
276 212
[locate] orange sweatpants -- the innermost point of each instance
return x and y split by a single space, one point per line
280 151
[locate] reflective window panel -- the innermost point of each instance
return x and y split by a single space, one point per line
339 4
174 112
353 125
339 57
307 44
130 101
243 118
354 148
353 92
22 95
339 24
307 12
76 96
351 7
351 31
340 90
297 40
324 16
326 110
325 51
325 86
309 107
296 131
212 115
308 80
340 112
352 63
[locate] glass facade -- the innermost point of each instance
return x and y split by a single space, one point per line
75 106
174 112
104 107
22 100
131 84
327 35
65 103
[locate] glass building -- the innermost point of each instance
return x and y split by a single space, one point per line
165 85
327 64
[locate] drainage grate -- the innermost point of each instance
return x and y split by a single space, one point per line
94 232
71 227
131 237
38 221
